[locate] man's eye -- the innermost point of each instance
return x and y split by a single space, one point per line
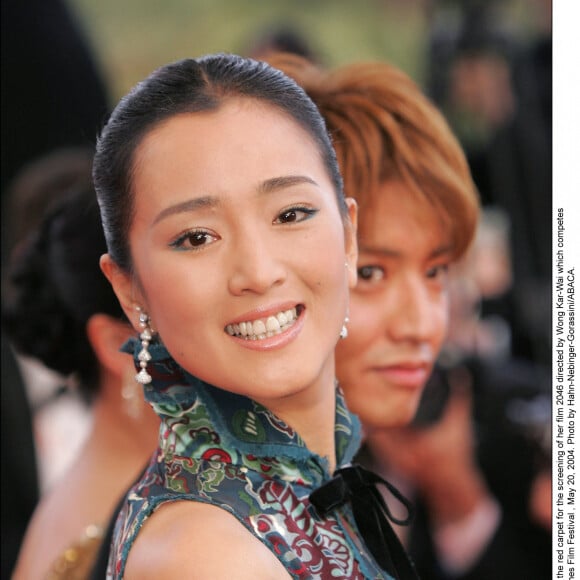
439 271
371 273
295 214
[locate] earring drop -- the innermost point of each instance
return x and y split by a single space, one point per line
344 330
144 356
132 397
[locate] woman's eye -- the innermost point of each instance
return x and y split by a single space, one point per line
371 273
295 214
193 240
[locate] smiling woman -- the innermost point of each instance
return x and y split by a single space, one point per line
232 249
225 215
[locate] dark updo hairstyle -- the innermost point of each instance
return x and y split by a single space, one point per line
55 285
190 86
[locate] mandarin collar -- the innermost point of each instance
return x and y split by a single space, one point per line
243 425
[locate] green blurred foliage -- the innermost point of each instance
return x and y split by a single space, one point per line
133 37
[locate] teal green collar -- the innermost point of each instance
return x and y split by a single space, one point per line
234 424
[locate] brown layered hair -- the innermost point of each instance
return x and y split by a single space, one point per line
384 128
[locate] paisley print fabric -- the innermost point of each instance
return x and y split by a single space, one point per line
225 449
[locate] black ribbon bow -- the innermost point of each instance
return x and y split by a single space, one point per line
358 485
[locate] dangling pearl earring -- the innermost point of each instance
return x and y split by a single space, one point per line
144 355
344 329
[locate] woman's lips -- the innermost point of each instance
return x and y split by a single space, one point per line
264 327
274 339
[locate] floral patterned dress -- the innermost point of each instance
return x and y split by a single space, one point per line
227 450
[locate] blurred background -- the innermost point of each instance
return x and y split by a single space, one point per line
132 39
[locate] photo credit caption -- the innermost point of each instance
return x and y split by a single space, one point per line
564 405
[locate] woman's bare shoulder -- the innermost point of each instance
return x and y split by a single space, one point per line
194 540
53 528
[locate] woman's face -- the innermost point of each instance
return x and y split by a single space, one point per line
398 310
239 249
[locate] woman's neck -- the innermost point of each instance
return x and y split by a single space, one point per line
312 414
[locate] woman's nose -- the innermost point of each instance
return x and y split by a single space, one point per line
256 266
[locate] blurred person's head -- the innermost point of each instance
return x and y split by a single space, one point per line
59 308
484 273
281 38
479 94
38 186
418 209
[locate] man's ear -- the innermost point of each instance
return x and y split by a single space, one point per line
124 287
351 244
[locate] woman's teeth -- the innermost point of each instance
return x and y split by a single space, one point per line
263 327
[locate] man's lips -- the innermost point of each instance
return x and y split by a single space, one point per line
406 374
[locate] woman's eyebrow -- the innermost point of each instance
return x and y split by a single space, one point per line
276 183
203 202
207 201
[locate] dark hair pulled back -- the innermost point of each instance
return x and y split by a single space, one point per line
189 86
55 285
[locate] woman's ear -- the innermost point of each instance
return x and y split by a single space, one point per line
106 335
123 285
351 244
